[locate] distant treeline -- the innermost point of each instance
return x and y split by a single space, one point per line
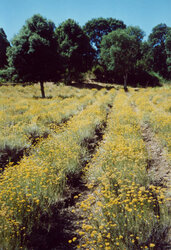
105 46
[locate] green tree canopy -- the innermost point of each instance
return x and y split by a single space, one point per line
34 53
145 56
137 32
96 28
75 49
119 52
168 51
157 42
3 47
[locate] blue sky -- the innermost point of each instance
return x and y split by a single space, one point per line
144 13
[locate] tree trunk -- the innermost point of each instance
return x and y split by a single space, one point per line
42 89
125 81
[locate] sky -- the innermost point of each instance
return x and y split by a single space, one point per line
143 13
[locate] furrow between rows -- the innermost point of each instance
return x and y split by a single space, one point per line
19 132
124 210
29 190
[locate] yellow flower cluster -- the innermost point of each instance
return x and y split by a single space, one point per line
155 107
38 180
123 209
24 119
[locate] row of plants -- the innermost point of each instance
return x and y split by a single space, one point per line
28 90
28 189
25 120
124 209
155 111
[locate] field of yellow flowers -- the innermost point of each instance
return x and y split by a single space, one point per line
125 208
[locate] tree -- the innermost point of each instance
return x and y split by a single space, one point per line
168 51
146 58
34 53
138 34
157 42
96 28
119 52
3 47
75 49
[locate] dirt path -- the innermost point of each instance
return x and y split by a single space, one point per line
56 229
158 168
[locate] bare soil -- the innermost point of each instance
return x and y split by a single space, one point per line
158 169
61 223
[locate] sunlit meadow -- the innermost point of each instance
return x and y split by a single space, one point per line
124 209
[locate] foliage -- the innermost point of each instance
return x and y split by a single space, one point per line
155 108
29 119
40 53
120 51
168 50
98 71
123 208
39 180
3 76
75 49
9 74
146 58
4 44
34 53
157 40
142 78
96 28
